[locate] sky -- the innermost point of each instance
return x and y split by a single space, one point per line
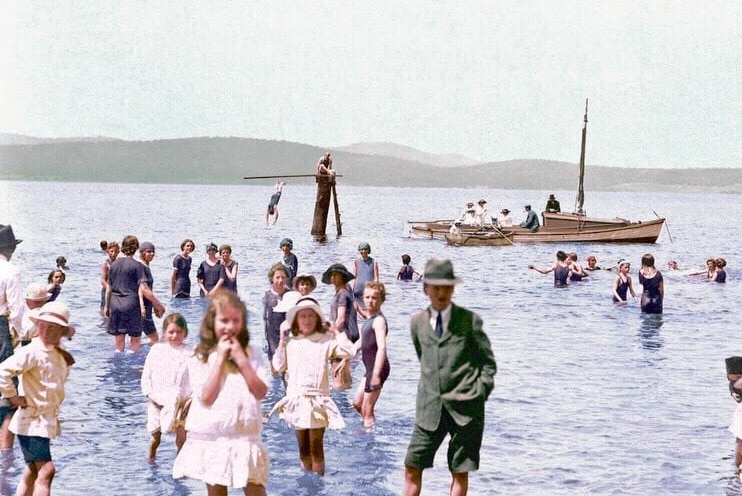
492 80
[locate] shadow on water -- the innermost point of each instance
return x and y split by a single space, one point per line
649 331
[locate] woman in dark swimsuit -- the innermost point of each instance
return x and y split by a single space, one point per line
654 287
560 268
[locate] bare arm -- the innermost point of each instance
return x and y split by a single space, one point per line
380 331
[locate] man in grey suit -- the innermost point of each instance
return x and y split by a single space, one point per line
457 370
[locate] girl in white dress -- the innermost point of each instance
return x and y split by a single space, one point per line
307 406
226 378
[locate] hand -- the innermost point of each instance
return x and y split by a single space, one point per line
159 310
237 352
19 401
224 346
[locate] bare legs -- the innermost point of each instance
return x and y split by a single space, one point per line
413 482
364 403
312 449
37 479
120 343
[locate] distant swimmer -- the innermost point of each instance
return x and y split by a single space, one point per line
324 166
273 204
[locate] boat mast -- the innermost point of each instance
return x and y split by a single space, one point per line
581 187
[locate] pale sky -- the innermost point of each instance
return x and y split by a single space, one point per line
493 80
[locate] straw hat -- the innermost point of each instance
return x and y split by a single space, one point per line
54 312
301 304
305 277
288 300
340 269
7 238
36 291
439 273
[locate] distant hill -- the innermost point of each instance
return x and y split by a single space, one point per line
19 139
228 160
408 153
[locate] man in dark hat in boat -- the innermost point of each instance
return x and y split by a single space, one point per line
11 315
552 205
457 374
531 223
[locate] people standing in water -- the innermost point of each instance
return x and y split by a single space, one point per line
180 282
307 406
365 269
305 283
43 368
289 260
734 376
709 271
55 280
210 274
575 269
406 272
126 279
112 250
653 291
226 379
273 204
231 268
277 276
561 270
342 309
457 370
161 380
62 263
592 263
720 275
373 346
146 255
623 284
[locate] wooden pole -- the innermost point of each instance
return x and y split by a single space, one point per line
338 225
285 175
325 186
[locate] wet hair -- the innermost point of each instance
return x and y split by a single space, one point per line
225 247
129 245
51 275
104 245
406 259
185 242
648 260
275 268
221 299
112 244
572 256
177 319
61 261
377 286
721 263
561 256
712 260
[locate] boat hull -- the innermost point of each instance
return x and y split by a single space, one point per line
480 239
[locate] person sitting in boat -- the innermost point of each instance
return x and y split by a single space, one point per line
481 217
504 219
552 205
531 223
469 218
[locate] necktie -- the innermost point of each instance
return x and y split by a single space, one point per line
439 325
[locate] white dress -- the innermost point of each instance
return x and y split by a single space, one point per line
161 378
736 427
224 444
307 404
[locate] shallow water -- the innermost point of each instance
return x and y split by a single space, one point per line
589 398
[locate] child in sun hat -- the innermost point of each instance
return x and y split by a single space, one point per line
43 368
307 406
305 283
36 295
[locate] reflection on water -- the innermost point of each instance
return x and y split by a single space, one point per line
590 397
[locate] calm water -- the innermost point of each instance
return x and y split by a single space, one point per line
590 398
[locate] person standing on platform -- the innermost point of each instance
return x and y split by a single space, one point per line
457 369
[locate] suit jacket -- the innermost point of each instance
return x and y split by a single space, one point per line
456 371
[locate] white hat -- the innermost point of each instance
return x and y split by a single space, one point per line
36 291
301 304
54 312
288 300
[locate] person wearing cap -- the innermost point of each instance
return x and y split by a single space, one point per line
457 370
552 204
481 216
231 268
531 223
43 368
36 295
623 284
273 203
303 352
210 274
289 260
504 219
734 376
11 317
365 269
305 283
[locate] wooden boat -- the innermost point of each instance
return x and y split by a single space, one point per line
480 238
560 227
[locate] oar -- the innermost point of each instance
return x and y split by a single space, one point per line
502 234
666 226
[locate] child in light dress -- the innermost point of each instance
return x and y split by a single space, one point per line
161 378
307 406
226 379
373 352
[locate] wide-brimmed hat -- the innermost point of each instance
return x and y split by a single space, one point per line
623 262
288 300
552 197
505 211
340 269
36 291
439 273
482 201
7 238
734 365
301 304
54 312
305 277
